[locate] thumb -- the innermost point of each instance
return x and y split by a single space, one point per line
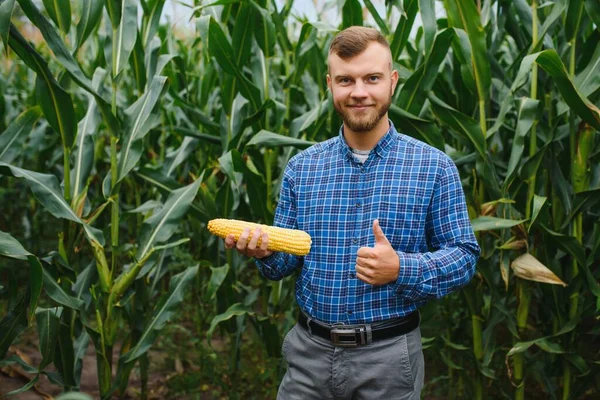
379 235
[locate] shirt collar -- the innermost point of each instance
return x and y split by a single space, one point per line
381 148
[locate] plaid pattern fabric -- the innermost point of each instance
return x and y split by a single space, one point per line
415 192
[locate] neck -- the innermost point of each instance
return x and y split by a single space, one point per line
367 140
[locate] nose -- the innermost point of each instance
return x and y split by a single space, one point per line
359 90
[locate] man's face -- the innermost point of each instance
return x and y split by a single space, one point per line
362 87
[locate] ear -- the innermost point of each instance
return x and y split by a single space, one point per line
329 81
394 78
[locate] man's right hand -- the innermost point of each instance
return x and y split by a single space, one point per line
248 248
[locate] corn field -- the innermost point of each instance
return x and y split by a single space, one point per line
121 137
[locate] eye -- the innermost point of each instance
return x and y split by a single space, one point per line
374 78
344 81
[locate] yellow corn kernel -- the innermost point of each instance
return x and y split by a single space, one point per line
292 241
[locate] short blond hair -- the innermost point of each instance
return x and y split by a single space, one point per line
354 40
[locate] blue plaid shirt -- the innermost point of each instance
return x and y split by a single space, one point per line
415 192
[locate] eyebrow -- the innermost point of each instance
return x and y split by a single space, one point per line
339 77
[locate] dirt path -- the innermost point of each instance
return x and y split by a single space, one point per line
14 377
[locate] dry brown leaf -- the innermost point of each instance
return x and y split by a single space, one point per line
528 267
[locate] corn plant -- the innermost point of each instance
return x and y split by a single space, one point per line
207 122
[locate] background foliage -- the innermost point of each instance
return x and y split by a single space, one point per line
120 138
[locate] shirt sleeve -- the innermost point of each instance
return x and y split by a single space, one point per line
279 265
451 263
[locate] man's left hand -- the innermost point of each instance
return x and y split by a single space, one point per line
380 264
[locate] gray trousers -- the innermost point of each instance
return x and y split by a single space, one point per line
387 369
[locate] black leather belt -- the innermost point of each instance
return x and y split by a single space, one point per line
360 335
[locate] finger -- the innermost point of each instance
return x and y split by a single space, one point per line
243 240
362 262
365 252
230 241
254 240
264 242
363 278
379 235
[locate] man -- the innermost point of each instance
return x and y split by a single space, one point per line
390 230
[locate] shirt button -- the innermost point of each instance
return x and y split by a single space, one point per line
351 275
355 240
357 204
349 312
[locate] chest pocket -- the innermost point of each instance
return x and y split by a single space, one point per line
402 218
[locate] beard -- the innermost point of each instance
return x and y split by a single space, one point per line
366 121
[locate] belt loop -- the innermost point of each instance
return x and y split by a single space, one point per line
308 320
369 334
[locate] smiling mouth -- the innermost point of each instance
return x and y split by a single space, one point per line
360 106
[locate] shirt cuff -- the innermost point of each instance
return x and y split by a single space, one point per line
410 272
268 266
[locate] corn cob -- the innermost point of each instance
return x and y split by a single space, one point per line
292 241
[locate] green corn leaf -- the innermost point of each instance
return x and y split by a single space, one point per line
83 151
46 189
557 12
426 131
403 28
11 325
136 63
264 31
221 49
179 156
270 139
163 313
58 294
543 342
464 127
217 277
48 321
588 80
383 26
463 52
351 14
493 223
414 92
427 11
113 8
10 247
31 57
64 357
125 36
152 21
161 226
526 119
6 9
242 34
471 23
593 9
60 12
12 139
35 283
80 348
234 310
304 121
25 388
91 15
550 61
140 119
538 203
573 18
506 105
58 109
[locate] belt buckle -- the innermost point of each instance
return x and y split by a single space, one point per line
347 337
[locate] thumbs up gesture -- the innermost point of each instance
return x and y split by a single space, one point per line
380 264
